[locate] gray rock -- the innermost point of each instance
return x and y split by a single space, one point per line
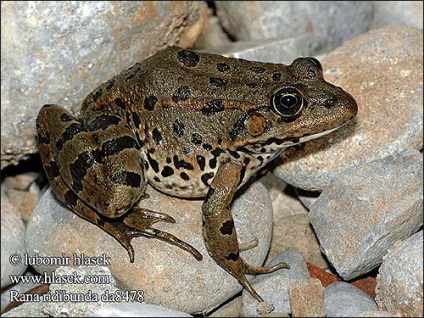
136 310
373 313
366 209
397 12
400 279
330 22
274 287
391 55
58 52
12 242
276 50
344 300
230 309
167 275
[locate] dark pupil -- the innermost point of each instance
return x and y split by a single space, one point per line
288 101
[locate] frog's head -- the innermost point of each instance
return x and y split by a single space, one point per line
303 107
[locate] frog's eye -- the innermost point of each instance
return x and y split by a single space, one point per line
287 102
316 62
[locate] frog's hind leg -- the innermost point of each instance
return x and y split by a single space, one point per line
219 231
92 171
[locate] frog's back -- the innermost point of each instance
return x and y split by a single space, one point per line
174 76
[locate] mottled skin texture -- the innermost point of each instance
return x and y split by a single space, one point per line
192 125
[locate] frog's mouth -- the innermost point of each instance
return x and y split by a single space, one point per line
275 144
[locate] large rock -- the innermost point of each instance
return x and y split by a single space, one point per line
400 279
330 22
58 52
12 242
344 300
383 70
366 209
167 275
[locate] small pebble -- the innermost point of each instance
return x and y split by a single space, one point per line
306 298
400 279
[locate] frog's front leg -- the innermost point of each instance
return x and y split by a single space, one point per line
219 231
96 169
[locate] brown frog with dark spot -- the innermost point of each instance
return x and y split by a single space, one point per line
193 125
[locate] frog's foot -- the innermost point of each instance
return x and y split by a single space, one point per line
139 221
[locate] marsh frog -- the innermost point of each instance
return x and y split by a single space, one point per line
192 125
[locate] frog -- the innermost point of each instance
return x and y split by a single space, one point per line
192 125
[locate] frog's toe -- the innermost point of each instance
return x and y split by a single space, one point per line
139 222
253 270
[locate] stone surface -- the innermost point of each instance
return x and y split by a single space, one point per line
284 201
366 209
230 309
400 279
295 233
306 298
97 301
169 276
12 241
58 52
344 300
373 313
213 36
330 23
397 12
383 70
276 50
274 287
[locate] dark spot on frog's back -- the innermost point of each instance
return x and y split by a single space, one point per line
153 163
178 128
167 171
136 119
188 58
97 94
222 67
196 139
110 84
227 227
149 102
276 77
201 161
157 136
217 82
184 176
257 69
213 106
181 94
120 103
